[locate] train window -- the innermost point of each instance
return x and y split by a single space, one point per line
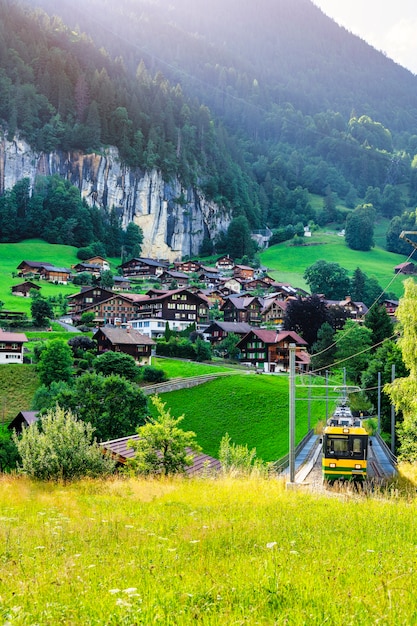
357 445
337 446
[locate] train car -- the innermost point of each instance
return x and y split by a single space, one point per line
345 446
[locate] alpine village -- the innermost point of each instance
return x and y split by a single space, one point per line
208 317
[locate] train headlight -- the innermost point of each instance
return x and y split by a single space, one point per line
357 466
346 430
332 464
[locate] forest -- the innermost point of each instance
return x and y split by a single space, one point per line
256 108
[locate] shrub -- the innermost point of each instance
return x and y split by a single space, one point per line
153 374
239 459
116 363
60 447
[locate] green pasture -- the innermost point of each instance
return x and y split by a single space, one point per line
18 384
175 368
252 409
203 551
11 254
287 263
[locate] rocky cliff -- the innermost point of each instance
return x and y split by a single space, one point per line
174 220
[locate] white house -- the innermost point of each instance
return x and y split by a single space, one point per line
11 347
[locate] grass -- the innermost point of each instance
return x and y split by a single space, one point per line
18 384
175 368
252 409
287 263
202 551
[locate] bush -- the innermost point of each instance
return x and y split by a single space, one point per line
153 374
60 447
239 459
116 363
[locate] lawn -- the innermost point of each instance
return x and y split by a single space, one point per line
18 384
175 368
11 254
203 551
252 409
287 263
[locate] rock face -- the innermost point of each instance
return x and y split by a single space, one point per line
174 220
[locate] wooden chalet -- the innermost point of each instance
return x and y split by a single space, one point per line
189 267
225 263
182 279
405 268
256 284
391 307
46 271
209 275
269 350
23 420
273 311
232 285
141 267
217 331
243 309
99 260
243 271
91 268
355 310
23 289
177 304
109 307
12 347
127 340
119 450
120 283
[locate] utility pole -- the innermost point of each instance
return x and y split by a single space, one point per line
379 403
393 414
291 454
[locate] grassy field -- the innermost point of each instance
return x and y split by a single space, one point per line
175 368
287 263
11 254
209 552
253 409
18 384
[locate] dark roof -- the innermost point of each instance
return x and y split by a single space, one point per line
145 261
24 418
272 336
201 463
239 328
125 336
26 283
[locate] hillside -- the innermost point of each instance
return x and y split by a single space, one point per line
255 107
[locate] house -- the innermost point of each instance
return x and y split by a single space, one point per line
182 279
91 268
270 350
11 347
46 271
143 267
355 310
391 307
23 289
127 340
23 420
109 307
99 260
217 331
120 283
243 271
189 267
243 309
202 463
273 311
405 268
233 285
154 327
256 284
225 263
177 305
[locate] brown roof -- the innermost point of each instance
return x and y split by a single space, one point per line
13 337
272 336
201 462
23 418
125 336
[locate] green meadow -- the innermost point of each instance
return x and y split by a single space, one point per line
203 551
18 384
252 409
287 263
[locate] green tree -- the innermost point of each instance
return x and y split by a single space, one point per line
55 362
403 391
9 455
132 241
116 363
162 446
359 233
330 279
324 349
306 316
202 350
106 279
41 311
60 447
380 323
352 343
239 241
111 404
228 346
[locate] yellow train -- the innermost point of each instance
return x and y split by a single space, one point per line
345 446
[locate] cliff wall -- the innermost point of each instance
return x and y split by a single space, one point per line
174 220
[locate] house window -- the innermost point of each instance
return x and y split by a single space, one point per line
15 346
88 300
2 346
171 305
146 324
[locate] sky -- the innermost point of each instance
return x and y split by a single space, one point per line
388 25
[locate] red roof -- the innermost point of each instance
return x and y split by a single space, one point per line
13 337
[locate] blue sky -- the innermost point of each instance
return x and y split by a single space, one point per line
388 25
